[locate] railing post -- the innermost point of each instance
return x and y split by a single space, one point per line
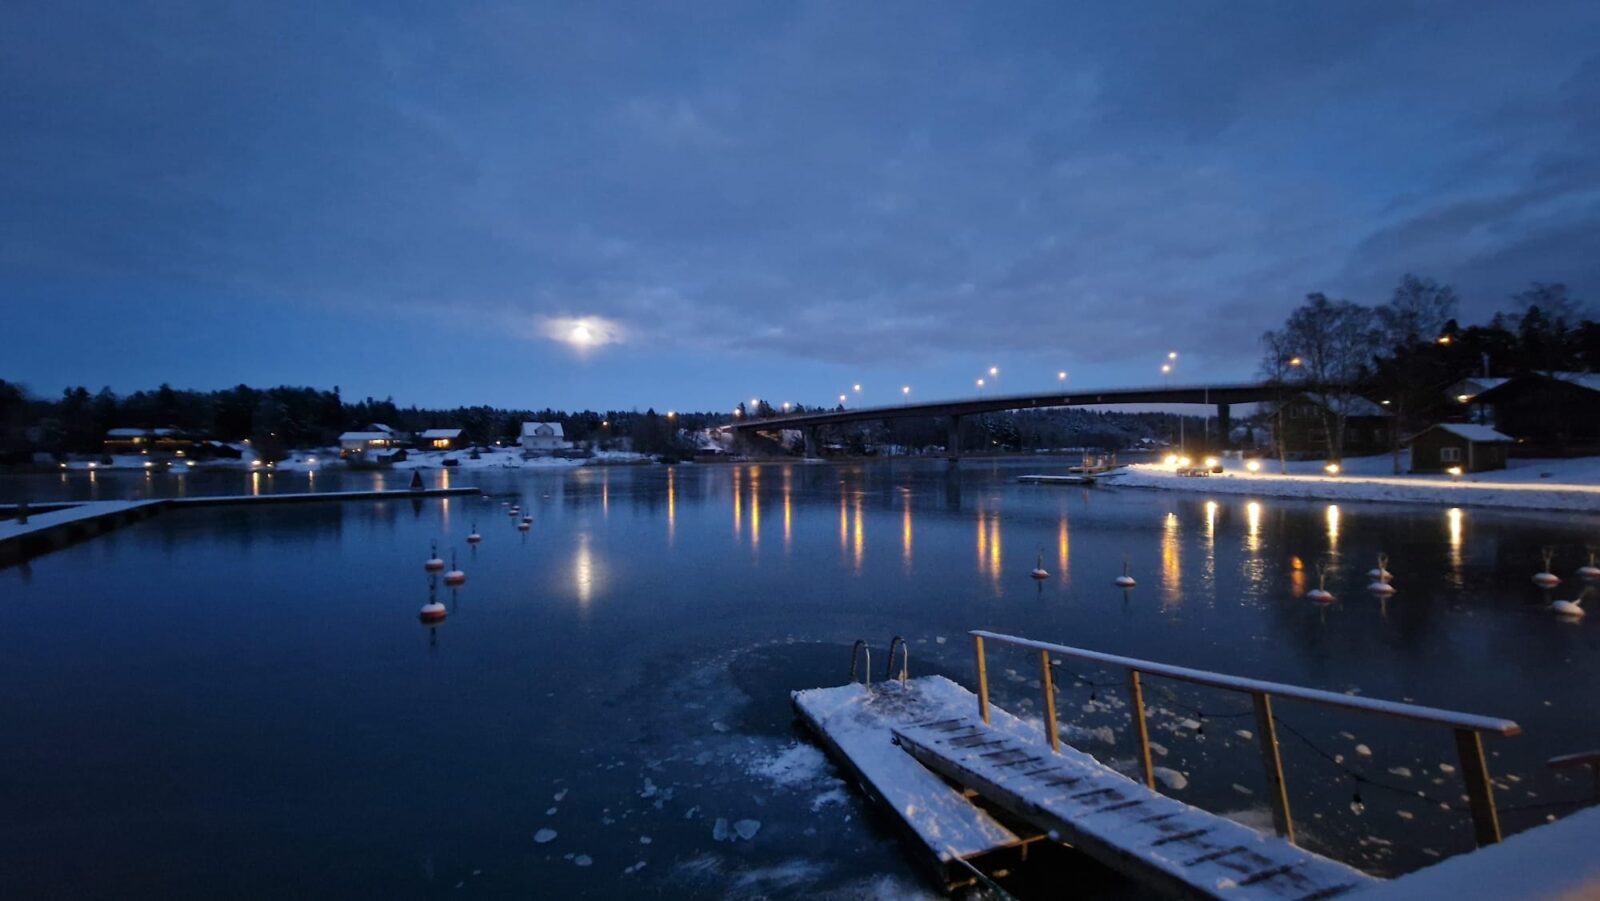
1267 734
1049 702
1141 731
983 681
1480 792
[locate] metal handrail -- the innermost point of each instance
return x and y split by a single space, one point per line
861 647
1468 728
905 660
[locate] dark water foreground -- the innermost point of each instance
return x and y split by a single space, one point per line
241 702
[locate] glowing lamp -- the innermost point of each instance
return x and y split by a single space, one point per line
1253 466
1454 471
1212 461
1331 469
1171 460
1185 461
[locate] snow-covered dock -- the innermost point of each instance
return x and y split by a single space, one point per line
64 525
1075 479
1160 842
856 724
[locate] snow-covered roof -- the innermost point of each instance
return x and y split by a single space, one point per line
533 428
1583 379
365 436
125 433
430 434
1474 385
1349 405
379 427
1479 433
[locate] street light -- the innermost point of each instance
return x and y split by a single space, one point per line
1172 355
856 388
841 400
906 390
1061 376
994 370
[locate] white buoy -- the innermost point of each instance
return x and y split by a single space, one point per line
1589 571
1380 588
1125 580
1572 608
473 537
433 564
433 612
525 525
1320 594
1547 579
455 576
513 511
1039 572
527 520
1381 574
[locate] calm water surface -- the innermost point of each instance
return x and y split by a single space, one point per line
240 702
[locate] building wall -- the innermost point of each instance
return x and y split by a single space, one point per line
1547 416
1436 450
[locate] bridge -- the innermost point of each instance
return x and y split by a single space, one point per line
1223 396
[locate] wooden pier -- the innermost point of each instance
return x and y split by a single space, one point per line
967 780
1075 479
63 524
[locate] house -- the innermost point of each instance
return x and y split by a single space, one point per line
543 437
441 439
375 437
1555 414
147 441
1367 426
1448 445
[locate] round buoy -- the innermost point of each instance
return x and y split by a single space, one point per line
1381 588
1039 572
1589 570
455 577
1567 608
433 612
1125 580
473 537
1546 580
1320 596
433 563
513 511
525 525
527 520
1381 574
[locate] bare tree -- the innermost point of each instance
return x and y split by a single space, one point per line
1276 357
1333 340
1417 314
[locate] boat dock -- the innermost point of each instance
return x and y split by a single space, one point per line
973 786
1075 479
62 524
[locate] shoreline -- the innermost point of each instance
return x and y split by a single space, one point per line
1562 496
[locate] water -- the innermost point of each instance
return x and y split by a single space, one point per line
232 702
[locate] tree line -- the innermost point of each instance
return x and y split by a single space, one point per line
1407 350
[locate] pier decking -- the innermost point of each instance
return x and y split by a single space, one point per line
65 524
1074 479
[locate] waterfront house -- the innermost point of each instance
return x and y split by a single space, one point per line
1549 415
1466 447
1367 426
375 437
543 438
440 439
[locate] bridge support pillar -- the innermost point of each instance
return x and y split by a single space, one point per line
1224 424
952 441
813 450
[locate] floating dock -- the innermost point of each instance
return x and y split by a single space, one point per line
902 742
1074 479
64 524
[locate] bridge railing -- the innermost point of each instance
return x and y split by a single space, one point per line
1468 728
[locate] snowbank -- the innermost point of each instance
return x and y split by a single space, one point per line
1571 485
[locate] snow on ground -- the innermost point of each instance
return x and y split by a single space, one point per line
328 458
1572 485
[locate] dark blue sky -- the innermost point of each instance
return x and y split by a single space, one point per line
778 200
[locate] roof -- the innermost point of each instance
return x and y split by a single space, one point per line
530 429
1587 380
428 434
365 436
126 433
1480 434
1352 404
1475 385
380 427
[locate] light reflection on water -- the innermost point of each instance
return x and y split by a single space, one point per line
288 637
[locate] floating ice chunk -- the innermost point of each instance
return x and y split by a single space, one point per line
645 839
719 830
649 790
719 726
1404 814
939 639
830 797
551 811
1159 748
1363 750
630 870
561 795
1242 790
1171 778
747 829
1446 768
795 765
544 836
1245 734
1401 771
1347 736
583 860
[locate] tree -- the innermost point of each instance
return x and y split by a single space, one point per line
1409 367
1417 311
1333 339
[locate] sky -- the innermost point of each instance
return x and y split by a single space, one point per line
729 200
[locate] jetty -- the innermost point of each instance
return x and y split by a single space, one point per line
970 784
1073 479
27 532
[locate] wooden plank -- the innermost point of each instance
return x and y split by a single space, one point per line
1272 765
1480 792
1163 843
1141 729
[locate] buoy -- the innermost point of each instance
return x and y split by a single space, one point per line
1572 608
455 576
1125 580
514 510
1589 570
1381 588
527 520
525 525
1381 574
473 537
434 564
433 612
1320 594
1039 571
1547 579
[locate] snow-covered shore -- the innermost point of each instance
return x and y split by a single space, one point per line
1566 485
328 458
